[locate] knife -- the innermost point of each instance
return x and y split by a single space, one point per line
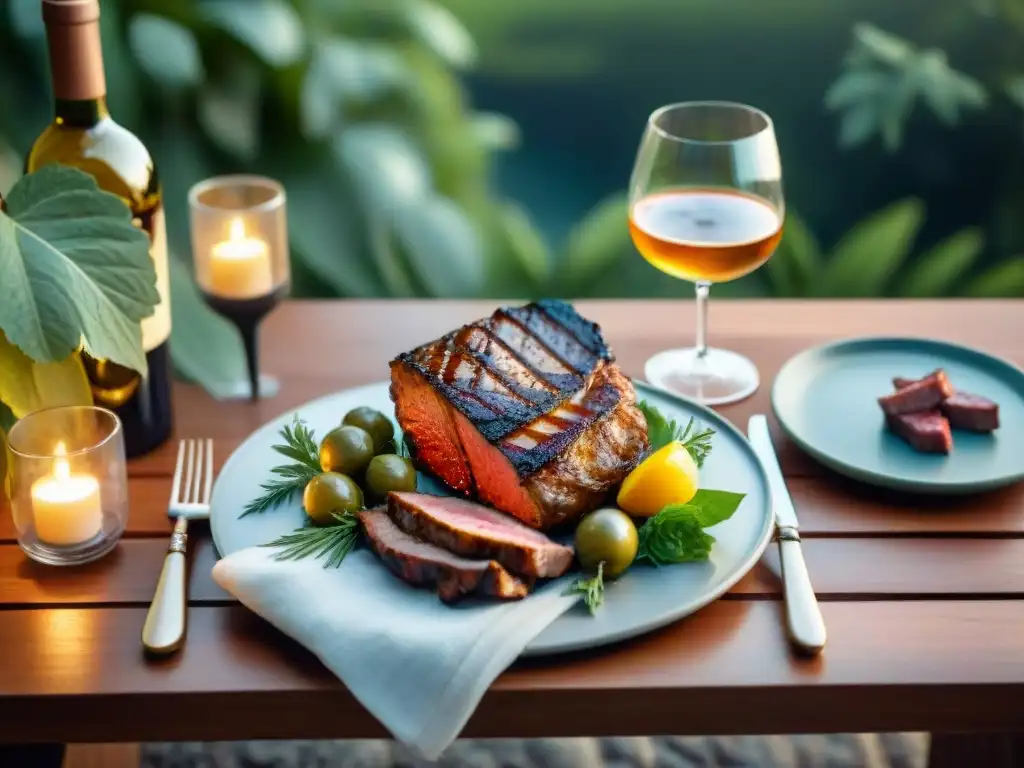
804 623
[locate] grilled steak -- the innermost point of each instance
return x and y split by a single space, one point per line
971 412
927 431
422 564
900 382
919 396
471 530
523 409
963 410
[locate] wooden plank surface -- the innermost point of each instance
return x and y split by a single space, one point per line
842 569
62 666
923 597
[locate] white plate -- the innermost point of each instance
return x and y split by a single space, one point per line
645 598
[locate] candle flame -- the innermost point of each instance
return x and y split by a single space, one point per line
61 469
236 230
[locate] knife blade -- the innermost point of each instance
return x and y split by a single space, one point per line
804 623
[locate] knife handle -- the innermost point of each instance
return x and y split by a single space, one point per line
804 623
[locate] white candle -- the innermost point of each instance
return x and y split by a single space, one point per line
240 266
66 507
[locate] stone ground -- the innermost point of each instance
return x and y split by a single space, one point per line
897 750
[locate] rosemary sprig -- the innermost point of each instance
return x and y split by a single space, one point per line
592 589
661 432
332 542
299 445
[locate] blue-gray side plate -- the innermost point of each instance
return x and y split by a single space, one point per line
826 400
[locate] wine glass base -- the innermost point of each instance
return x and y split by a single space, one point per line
241 390
717 378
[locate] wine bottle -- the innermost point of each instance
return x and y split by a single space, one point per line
84 136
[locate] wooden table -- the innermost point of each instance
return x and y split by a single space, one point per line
923 598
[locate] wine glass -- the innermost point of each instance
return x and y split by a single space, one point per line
706 205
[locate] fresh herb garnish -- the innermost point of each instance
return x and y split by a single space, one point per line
676 534
299 445
661 432
592 589
332 542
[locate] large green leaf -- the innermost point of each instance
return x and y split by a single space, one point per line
525 244
438 29
596 243
272 29
937 272
166 50
205 348
72 265
326 230
27 386
386 165
1004 280
795 268
871 253
442 245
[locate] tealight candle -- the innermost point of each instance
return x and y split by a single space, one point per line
66 507
240 266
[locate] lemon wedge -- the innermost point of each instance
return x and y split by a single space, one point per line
667 476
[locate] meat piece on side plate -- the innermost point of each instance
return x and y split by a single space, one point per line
971 412
419 563
920 396
899 382
472 530
927 431
524 409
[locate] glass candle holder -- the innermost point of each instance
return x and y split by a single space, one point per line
68 483
240 251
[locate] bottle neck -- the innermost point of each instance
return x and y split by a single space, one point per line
80 114
76 70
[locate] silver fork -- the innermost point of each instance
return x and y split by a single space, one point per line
164 630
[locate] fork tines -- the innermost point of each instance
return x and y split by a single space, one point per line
195 462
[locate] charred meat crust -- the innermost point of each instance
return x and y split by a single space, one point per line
422 564
491 395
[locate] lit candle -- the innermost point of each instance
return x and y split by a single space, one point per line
240 266
66 507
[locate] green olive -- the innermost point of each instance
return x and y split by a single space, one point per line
608 536
347 450
389 472
376 423
329 494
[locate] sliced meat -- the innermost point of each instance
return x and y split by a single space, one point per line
927 431
472 530
971 412
900 382
544 420
422 564
922 395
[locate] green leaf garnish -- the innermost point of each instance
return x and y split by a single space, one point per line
661 432
332 542
592 589
676 534
73 267
299 445
714 507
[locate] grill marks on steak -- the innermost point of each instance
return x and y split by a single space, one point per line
918 396
422 564
471 530
529 389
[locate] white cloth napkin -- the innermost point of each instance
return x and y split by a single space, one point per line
418 666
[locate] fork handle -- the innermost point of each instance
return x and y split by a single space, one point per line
164 630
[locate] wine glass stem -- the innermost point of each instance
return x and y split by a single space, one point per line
249 331
703 288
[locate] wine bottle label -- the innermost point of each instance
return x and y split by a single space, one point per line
157 327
